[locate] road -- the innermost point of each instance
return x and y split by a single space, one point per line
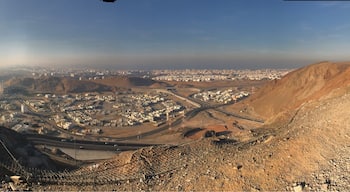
188 100
205 105
82 144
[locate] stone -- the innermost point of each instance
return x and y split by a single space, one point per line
298 188
16 179
324 187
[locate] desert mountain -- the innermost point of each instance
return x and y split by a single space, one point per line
129 82
63 85
305 84
56 85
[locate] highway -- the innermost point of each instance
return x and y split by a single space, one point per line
204 105
82 144
188 100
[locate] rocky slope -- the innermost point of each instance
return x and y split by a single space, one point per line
297 87
55 85
65 85
26 154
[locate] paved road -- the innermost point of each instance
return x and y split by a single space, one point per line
188 100
205 105
89 145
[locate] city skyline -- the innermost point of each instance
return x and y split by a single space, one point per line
158 34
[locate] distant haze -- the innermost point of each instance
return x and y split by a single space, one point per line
173 34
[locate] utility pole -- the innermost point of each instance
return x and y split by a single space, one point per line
75 152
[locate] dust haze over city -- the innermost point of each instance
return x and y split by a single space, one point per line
174 95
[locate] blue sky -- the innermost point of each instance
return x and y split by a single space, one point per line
151 34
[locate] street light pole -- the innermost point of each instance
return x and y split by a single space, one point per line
75 151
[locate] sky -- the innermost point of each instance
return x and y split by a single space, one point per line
173 34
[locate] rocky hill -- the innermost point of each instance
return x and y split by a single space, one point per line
305 84
130 82
57 85
64 85
26 154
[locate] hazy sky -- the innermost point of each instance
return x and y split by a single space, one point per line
173 33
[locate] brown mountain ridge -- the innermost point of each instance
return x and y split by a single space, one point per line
302 85
64 85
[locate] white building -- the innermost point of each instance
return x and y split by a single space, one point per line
23 108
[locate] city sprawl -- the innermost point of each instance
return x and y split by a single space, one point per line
89 112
